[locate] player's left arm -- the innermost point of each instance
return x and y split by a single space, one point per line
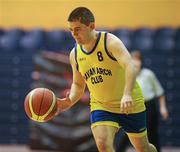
117 49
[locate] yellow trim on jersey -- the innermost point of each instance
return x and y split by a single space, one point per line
144 133
106 123
35 117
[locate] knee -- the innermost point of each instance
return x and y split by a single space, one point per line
147 148
142 148
103 145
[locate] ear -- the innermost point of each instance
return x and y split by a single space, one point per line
92 26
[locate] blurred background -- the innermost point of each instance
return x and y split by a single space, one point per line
34 48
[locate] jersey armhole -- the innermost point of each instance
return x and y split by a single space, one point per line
105 47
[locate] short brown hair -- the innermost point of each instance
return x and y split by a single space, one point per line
82 14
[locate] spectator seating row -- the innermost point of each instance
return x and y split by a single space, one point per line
164 39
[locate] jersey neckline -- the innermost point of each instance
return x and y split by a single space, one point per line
98 38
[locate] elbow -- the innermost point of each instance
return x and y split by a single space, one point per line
81 87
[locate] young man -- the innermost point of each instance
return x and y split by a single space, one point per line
101 61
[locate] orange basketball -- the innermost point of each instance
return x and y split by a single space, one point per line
40 104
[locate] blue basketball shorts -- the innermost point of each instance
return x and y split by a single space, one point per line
133 124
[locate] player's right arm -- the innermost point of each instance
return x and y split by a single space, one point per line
77 87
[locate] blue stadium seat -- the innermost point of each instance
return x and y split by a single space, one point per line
165 32
164 44
143 32
37 31
143 43
9 43
177 45
33 40
30 42
177 39
59 40
15 32
126 41
69 42
9 40
54 39
122 32
2 31
142 39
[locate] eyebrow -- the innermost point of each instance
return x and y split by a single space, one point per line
75 28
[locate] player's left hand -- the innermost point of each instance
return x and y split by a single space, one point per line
126 104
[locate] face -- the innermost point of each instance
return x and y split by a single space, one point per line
80 32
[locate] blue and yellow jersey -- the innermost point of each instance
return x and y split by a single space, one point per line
105 78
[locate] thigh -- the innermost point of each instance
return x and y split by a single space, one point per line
104 133
104 125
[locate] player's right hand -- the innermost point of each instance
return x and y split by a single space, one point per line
63 104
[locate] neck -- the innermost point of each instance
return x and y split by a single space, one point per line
91 42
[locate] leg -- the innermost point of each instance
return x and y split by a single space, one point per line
141 143
121 141
104 137
152 123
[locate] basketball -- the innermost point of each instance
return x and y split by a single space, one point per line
40 104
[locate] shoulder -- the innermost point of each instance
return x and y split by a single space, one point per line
114 44
112 40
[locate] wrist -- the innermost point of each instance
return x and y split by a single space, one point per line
127 94
58 111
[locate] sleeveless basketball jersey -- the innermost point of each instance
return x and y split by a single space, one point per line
105 78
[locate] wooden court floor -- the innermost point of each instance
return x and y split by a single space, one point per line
25 148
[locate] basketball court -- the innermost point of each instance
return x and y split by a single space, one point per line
24 148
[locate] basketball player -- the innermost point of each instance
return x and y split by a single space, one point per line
101 61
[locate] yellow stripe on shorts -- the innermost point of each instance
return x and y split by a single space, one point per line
138 134
107 123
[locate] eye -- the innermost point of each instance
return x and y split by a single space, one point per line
78 29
